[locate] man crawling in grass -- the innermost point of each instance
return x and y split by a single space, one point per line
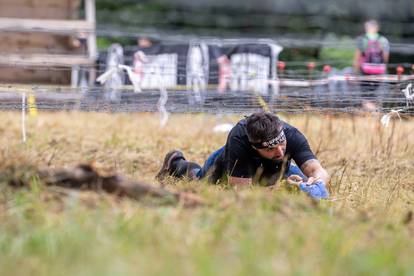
259 150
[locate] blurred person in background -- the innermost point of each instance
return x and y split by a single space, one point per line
144 42
373 51
79 44
371 58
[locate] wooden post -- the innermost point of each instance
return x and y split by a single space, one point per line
75 76
92 48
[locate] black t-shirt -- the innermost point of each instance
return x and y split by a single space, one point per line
239 159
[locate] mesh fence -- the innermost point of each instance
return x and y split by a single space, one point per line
334 97
189 77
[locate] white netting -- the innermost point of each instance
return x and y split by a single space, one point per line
192 76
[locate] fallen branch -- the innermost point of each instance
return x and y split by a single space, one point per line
86 177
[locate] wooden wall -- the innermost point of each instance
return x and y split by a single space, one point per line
36 42
40 9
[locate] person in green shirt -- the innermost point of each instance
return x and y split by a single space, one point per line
373 51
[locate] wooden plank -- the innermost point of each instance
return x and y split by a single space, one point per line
39 43
90 11
26 75
46 25
40 9
45 60
91 18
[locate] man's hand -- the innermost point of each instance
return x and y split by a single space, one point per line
314 171
313 180
317 190
294 179
314 187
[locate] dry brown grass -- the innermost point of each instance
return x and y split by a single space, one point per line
357 151
372 189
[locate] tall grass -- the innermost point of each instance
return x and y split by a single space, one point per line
365 229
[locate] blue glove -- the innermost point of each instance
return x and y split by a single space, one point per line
316 190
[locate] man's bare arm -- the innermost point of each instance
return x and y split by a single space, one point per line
357 60
386 57
239 181
314 171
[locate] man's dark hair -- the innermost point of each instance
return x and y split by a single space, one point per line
263 126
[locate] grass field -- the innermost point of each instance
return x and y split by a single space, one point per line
366 228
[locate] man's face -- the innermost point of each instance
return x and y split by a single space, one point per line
276 153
